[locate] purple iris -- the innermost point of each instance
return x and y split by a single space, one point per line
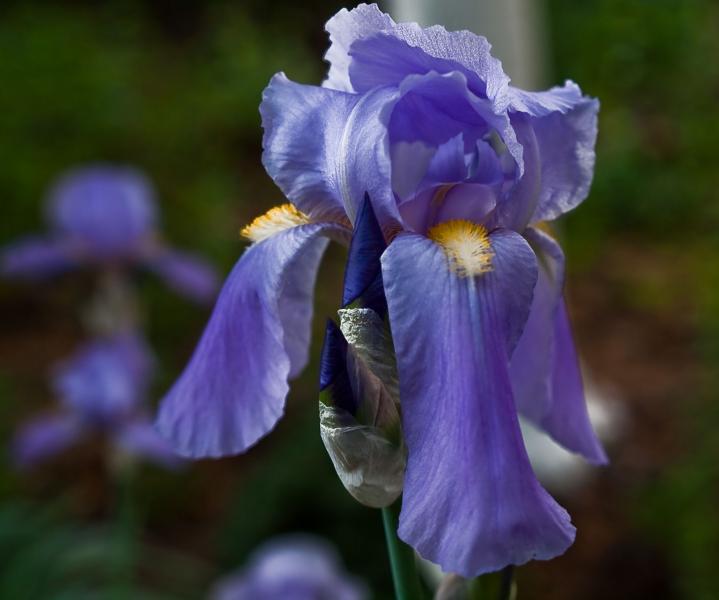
461 169
106 216
101 389
291 568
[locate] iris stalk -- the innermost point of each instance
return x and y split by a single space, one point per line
126 529
401 558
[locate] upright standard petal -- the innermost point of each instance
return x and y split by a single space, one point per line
565 128
234 388
544 370
471 502
344 29
36 258
362 39
388 57
325 149
186 274
436 107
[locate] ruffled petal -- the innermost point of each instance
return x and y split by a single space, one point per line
344 29
233 390
387 58
326 149
188 275
471 502
565 128
43 438
545 374
435 107
36 258
368 49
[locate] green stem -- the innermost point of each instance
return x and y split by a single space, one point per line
401 558
126 526
505 586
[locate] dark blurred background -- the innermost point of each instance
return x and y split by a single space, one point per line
174 88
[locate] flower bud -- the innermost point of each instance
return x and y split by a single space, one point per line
359 407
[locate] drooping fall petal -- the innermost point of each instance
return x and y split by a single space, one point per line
233 390
544 369
471 502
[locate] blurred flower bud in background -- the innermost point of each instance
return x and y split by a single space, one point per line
291 567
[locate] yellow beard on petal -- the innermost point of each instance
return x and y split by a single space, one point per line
273 221
545 227
466 245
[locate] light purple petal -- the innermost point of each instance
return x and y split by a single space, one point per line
568 422
437 107
544 370
106 380
519 203
410 161
467 183
565 128
532 360
471 502
233 390
326 149
344 29
540 104
110 210
368 49
43 438
141 439
448 165
469 202
36 258
185 273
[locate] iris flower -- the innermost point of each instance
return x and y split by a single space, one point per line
101 389
292 567
462 170
105 217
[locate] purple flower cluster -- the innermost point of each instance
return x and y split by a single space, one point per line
461 170
101 390
105 217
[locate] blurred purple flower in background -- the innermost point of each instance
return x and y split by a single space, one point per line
105 216
292 567
461 169
101 390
